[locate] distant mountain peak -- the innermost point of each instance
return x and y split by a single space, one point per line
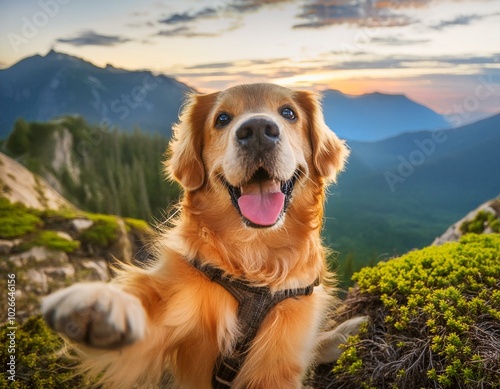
375 116
39 88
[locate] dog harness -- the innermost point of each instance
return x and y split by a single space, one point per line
254 303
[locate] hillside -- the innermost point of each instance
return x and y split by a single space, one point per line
41 88
385 205
99 171
49 243
376 116
18 184
434 321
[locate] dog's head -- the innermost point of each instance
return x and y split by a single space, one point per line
259 143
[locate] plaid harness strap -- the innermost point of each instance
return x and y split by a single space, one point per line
254 303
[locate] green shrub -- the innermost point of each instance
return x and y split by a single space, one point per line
52 240
435 319
137 224
480 222
39 365
60 214
104 231
16 220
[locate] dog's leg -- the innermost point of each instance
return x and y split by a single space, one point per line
329 342
96 314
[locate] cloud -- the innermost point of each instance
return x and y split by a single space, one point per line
252 70
186 32
91 38
409 62
186 17
222 8
462 20
216 65
251 5
364 13
140 24
473 60
254 64
397 41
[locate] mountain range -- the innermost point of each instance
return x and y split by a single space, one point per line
400 193
39 88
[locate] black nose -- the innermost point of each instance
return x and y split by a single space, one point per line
258 133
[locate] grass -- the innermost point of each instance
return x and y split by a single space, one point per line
38 362
137 224
17 220
103 232
52 240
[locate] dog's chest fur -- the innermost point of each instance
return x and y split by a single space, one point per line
210 326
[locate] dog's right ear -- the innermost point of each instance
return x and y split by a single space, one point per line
185 162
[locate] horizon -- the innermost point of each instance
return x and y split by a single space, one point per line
440 53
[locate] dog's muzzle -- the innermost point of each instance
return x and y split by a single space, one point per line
263 199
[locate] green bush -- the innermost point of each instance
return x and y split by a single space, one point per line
480 222
38 362
435 320
104 231
137 225
16 220
52 240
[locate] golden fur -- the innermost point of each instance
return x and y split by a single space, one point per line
181 319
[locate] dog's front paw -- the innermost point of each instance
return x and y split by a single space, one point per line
329 342
96 314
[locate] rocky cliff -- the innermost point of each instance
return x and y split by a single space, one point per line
47 243
483 219
18 184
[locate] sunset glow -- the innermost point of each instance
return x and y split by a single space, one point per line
434 51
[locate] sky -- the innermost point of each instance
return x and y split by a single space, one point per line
441 53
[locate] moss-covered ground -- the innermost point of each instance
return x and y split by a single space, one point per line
435 320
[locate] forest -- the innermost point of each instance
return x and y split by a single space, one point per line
99 170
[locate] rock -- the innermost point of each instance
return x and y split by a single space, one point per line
60 272
39 254
6 246
27 188
453 233
122 247
64 235
80 225
37 281
98 267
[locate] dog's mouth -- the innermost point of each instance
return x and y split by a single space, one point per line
263 200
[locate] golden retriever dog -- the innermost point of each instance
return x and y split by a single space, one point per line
254 162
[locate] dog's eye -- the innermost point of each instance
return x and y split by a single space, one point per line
287 113
222 120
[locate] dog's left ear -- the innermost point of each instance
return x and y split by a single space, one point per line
329 152
185 162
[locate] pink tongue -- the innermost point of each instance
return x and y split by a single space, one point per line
262 208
